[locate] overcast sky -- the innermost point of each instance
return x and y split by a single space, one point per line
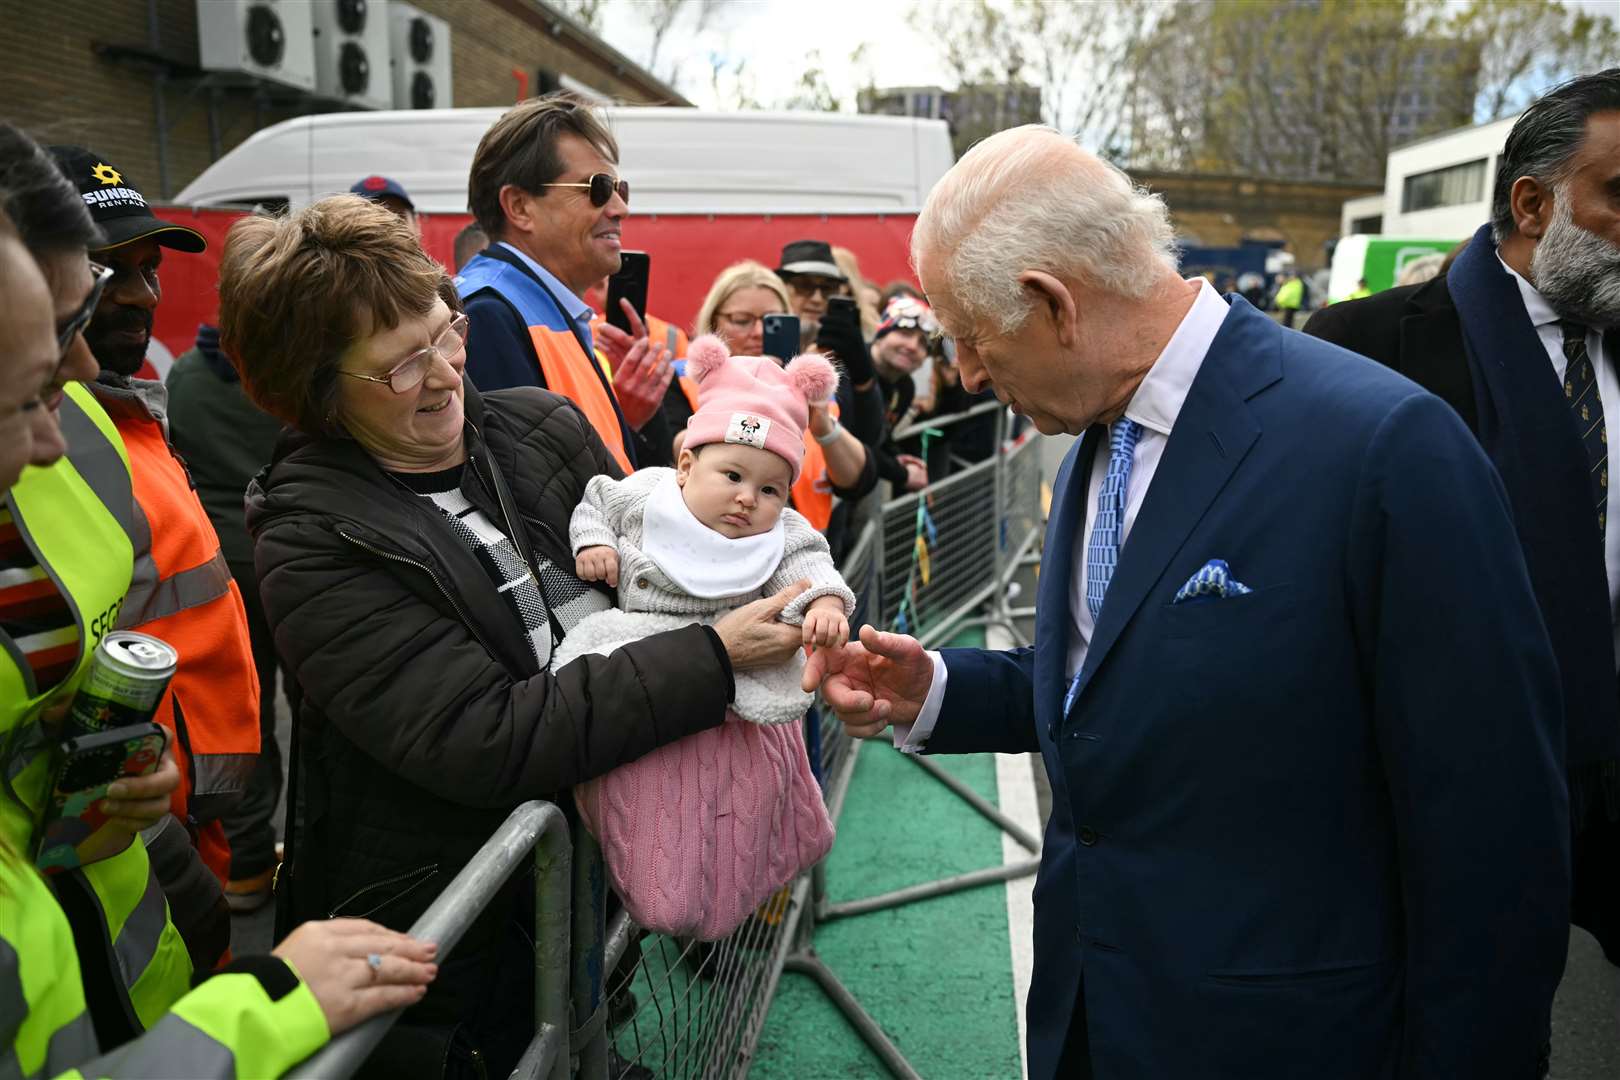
775 37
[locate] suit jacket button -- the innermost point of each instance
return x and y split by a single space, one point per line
641 583
1087 835
1051 732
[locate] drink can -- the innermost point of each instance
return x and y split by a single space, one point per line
128 673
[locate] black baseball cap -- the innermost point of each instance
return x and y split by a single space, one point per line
810 257
117 205
377 188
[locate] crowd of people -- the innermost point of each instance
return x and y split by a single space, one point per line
1353 675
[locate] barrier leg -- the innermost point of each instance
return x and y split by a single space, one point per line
589 1040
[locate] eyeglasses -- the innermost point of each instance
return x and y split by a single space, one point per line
602 187
67 331
741 321
409 372
827 287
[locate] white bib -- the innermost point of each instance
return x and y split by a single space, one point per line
698 560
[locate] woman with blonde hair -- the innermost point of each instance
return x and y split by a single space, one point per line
838 460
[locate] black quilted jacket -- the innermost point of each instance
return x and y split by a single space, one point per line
424 718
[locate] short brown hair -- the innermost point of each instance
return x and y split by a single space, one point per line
521 149
296 292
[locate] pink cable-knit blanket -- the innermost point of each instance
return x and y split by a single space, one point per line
698 833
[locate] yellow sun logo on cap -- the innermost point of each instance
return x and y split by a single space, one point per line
106 174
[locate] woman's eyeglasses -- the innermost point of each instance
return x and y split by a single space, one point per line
602 188
67 331
741 321
409 372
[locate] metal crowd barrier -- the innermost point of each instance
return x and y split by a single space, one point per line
537 827
647 1005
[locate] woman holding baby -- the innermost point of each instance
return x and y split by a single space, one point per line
412 547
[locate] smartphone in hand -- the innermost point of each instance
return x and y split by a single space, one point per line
782 336
75 831
629 283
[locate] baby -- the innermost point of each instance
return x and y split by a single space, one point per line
697 541
717 531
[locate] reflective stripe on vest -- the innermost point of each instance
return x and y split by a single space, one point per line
173 1047
149 598
566 366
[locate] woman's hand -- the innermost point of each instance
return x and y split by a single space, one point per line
641 370
821 421
331 957
754 635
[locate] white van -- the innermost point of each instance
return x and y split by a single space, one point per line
678 161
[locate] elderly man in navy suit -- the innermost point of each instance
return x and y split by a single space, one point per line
1290 682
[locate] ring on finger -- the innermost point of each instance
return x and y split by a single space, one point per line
374 961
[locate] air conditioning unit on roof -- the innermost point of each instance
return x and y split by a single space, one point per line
265 39
421 58
352 52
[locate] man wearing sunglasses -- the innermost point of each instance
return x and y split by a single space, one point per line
544 186
183 591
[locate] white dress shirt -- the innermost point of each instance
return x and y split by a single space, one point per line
1545 320
1155 405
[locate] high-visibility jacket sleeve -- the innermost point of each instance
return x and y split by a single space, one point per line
235 1024
230 1026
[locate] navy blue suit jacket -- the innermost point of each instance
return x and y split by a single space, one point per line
1316 830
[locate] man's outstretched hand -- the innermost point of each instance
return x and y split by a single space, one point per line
880 680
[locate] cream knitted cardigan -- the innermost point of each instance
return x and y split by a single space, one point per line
611 515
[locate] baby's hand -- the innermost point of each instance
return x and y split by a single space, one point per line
825 625
599 563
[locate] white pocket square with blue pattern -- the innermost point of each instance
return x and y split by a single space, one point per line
1214 578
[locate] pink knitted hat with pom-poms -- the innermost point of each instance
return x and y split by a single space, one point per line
753 400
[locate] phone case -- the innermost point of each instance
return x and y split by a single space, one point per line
75 832
781 336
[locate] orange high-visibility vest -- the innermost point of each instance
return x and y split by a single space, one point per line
567 371
812 491
182 592
566 364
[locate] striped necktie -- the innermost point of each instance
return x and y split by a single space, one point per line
1580 387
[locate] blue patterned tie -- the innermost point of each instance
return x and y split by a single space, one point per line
1102 551
1580 387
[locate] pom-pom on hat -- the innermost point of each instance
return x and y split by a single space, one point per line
754 401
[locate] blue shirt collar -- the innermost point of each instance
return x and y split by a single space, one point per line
577 310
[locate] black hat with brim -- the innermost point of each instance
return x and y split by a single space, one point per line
810 257
118 206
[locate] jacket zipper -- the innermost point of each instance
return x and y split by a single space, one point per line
429 571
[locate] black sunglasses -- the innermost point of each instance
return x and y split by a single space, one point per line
602 187
87 310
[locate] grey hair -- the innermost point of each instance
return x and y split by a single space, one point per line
1545 139
992 220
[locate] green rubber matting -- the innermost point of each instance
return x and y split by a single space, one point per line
937 975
